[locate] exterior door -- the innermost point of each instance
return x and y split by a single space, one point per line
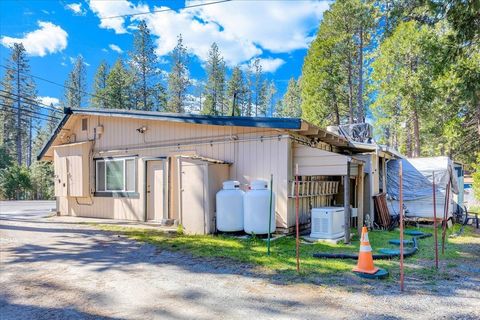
156 190
193 197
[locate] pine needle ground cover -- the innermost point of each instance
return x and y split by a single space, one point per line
460 250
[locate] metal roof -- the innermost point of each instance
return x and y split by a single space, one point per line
262 122
259 122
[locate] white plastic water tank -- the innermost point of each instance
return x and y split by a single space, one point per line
328 222
256 208
230 207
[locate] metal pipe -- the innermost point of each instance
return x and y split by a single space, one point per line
435 220
445 216
194 143
270 214
400 173
297 222
346 200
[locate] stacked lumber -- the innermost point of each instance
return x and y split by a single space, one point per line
382 215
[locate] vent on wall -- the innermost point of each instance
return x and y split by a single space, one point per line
84 124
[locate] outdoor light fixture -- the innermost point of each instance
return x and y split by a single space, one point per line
142 129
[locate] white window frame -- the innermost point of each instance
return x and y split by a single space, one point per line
123 159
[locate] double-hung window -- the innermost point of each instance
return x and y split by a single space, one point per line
115 175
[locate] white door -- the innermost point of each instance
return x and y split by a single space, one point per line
156 190
193 197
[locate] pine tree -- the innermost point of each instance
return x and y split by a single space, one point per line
247 110
178 78
215 86
266 99
7 115
99 99
236 92
402 72
119 87
144 67
19 99
258 85
292 101
333 72
76 84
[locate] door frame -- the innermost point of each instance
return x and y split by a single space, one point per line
145 182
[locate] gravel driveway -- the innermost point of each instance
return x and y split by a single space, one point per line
59 270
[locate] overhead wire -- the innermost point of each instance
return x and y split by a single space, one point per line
27 102
57 84
30 112
44 105
164 10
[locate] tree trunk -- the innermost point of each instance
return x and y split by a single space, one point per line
335 109
408 132
29 152
18 138
350 92
416 133
360 115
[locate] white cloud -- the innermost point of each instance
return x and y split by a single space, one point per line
49 38
271 64
49 100
241 29
278 26
76 8
115 48
105 9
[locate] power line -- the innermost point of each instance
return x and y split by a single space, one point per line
28 111
33 100
28 101
164 10
57 84
29 116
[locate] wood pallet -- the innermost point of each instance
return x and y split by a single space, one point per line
382 214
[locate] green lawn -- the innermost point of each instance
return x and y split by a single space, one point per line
282 259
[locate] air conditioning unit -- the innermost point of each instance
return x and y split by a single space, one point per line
328 223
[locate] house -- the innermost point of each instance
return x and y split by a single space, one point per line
166 168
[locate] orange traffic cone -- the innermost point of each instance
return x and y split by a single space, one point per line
365 257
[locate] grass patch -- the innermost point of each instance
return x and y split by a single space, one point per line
282 259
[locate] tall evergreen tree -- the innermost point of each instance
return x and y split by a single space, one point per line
76 84
259 87
249 92
99 98
290 106
267 95
403 73
333 72
119 87
144 66
178 78
236 92
19 96
215 86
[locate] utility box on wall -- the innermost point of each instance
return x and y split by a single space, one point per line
200 180
72 169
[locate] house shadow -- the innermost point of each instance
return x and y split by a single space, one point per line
103 251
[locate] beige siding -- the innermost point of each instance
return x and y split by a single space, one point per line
255 153
316 162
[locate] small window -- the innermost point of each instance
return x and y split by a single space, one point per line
115 175
84 124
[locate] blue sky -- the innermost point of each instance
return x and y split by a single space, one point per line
55 32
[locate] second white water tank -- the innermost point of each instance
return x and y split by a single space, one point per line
256 207
230 207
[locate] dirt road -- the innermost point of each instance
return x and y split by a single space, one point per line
57 270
